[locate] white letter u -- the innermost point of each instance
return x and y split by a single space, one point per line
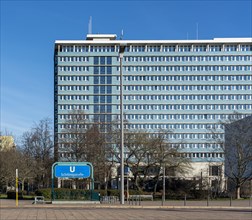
72 169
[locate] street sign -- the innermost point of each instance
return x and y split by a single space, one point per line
72 171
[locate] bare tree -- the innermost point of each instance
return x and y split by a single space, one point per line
97 153
167 155
37 145
8 164
237 148
74 139
10 161
238 152
87 141
137 145
146 152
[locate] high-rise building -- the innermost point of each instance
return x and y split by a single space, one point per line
186 86
7 143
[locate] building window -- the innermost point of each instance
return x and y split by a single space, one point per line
214 170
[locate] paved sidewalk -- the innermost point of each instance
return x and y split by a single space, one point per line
148 210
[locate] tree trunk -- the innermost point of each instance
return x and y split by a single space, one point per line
23 181
136 182
237 192
105 183
155 186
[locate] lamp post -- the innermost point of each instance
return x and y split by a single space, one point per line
163 193
121 53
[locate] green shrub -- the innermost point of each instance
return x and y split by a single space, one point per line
31 194
67 194
44 192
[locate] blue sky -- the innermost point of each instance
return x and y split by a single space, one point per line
29 29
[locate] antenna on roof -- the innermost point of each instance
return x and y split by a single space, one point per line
90 25
197 30
121 37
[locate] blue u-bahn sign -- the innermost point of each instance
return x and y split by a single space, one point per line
72 171
68 170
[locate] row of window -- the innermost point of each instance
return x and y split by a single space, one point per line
185 58
187 107
73 78
188 155
173 145
74 97
168 78
160 58
73 126
163 68
168 117
186 68
177 117
159 48
188 88
189 48
73 107
189 78
205 155
87 48
177 136
200 145
162 126
73 68
73 59
167 107
187 97
165 97
73 88
74 116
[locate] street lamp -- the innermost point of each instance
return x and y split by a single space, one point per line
163 193
121 53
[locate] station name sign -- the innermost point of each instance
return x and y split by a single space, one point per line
72 171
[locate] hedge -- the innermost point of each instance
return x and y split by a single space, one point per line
12 194
66 194
79 194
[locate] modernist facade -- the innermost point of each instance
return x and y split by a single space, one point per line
186 86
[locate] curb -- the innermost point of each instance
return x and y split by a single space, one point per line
46 206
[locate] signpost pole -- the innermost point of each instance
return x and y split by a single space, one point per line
16 187
53 173
163 193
